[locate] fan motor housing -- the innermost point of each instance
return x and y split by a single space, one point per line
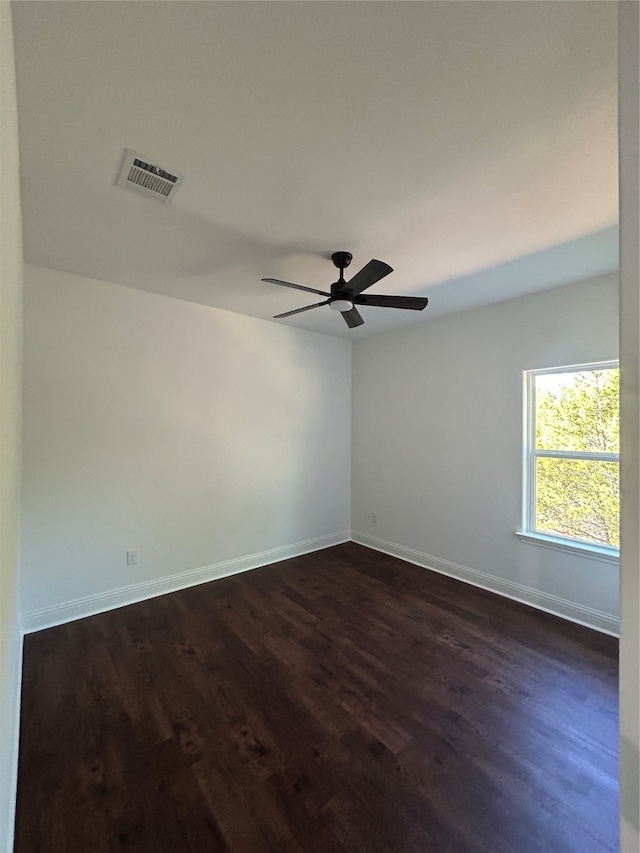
341 259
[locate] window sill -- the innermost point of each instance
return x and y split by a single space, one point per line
582 549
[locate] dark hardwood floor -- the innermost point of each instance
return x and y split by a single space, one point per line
343 700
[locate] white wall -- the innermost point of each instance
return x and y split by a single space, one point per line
11 273
209 441
437 443
629 100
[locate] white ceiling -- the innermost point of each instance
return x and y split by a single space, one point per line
472 146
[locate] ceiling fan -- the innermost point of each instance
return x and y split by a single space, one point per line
344 296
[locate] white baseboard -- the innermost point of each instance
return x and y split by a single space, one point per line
78 608
607 623
58 614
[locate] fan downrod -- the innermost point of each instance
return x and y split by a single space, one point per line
341 259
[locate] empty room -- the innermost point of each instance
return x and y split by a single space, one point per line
319 358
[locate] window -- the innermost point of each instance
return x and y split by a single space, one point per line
571 464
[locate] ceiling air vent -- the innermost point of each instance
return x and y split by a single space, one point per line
140 175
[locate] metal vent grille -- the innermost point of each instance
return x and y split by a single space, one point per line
143 177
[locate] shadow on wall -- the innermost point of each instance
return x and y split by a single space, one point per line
586 257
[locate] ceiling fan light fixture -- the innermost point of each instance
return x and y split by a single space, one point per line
341 305
345 295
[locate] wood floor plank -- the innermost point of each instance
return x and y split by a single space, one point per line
339 701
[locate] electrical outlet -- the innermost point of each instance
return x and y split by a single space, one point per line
132 557
374 518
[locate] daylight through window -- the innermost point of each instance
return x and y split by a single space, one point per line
572 468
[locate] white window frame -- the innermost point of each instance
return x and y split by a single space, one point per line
528 533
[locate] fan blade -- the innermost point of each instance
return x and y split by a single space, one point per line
352 318
299 310
368 275
296 286
415 303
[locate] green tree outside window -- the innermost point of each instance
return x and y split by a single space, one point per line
574 463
